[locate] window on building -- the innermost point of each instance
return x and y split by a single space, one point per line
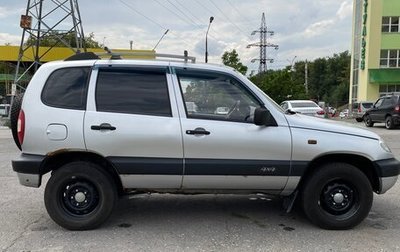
389 58
389 89
390 24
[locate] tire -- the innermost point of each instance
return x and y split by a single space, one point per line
389 124
14 113
359 119
337 196
368 121
80 196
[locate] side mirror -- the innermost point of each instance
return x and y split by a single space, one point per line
262 117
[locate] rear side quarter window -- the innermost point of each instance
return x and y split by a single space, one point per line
67 88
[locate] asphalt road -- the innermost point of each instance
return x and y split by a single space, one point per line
190 223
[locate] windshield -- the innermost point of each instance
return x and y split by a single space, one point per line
367 105
303 105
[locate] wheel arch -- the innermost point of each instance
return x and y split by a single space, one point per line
55 161
362 163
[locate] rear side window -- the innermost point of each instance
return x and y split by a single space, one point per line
133 91
67 88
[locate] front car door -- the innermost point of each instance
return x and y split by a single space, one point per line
223 148
132 120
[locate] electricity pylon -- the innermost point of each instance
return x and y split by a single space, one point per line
263 44
58 22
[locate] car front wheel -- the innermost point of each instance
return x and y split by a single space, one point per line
337 196
80 196
368 121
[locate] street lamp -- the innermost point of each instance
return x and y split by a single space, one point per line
209 24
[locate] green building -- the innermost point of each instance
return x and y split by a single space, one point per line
375 61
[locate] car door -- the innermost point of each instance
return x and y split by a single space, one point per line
374 112
227 150
132 120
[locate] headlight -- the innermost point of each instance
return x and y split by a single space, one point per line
384 146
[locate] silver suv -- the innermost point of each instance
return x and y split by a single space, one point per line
106 128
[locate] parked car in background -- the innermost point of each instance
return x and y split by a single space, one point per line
332 111
359 109
304 107
344 113
386 109
4 110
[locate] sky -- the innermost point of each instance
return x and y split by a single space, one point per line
303 29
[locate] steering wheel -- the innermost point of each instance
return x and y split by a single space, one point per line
233 108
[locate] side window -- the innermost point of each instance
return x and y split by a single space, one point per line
216 96
133 91
67 88
378 103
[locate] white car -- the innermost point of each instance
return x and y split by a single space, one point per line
106 128
304 107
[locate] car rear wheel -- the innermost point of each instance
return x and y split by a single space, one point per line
368 121
337 196
389 122
14 114
80 196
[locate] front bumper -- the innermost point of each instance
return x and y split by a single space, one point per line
28 169
388 171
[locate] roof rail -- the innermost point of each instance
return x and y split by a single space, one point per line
117 55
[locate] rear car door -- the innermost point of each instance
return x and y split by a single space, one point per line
132 120
223 148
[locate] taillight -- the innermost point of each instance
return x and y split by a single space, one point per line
320 112
397 108
21 126
359 108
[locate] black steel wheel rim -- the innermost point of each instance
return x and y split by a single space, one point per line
339 198
79 196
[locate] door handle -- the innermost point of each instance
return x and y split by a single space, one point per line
198 131
103 126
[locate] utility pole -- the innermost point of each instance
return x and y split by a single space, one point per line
131 44
306 76
263 44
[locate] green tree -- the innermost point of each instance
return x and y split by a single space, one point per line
232 59
279 85
52 39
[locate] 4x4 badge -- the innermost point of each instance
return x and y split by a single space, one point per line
268 169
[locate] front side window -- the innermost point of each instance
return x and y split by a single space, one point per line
67 88
133 91
216 96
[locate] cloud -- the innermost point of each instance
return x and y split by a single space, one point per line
319 27
345 10
6 38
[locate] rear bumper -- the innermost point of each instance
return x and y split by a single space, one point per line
388 171
28 169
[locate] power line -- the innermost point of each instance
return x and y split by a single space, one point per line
154 22
137 12
183 13
240 13
189 11
173 12
199 3
227 18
